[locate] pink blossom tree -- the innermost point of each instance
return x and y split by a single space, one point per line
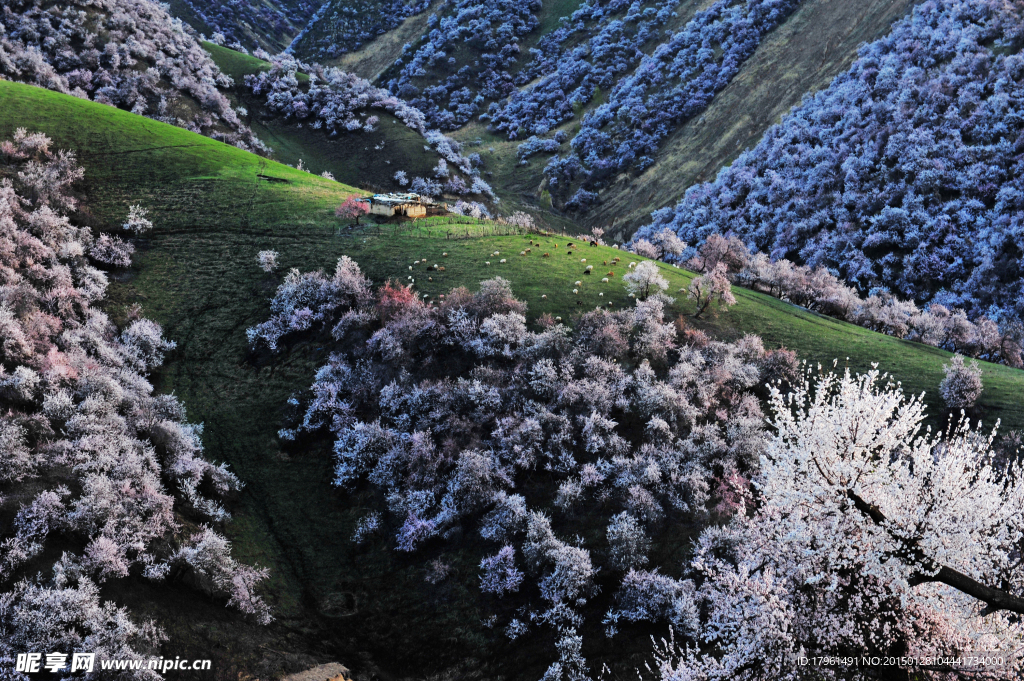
712 288
352 209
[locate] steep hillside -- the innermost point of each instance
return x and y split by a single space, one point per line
360 158
271 25
371 60
903 175
816 44
126 53
214 207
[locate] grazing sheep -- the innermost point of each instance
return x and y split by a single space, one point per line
522 252
416 263
605 280
430 279
583 259
546 255
544 296
579 283
601 295
611 274
575 291
444 255
529 250
441 268
558 319
589 268
605 263
410 268
632 265
593 243
586 271
502 261
487 262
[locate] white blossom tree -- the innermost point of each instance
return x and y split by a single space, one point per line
871 536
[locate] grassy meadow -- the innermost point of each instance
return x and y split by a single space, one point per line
214 207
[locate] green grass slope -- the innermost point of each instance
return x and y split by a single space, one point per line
365 159
196 274
802 55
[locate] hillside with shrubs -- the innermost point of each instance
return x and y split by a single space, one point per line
901 177
245 418
101 478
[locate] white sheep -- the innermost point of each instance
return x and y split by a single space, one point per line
605 280
444 255
558 319
502 261
410 268
544 296
590 268
522 252
632 265
579 283
583 259
576 291
487 262
601 295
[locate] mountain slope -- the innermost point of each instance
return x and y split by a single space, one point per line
214 208
803 55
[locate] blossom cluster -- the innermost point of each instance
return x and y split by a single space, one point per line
843 554
97 473
126 53
669 86
340 27
820 290
904 175
571 71
337 102
243 24
466 420
465 60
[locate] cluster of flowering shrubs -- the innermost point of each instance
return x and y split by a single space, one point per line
903 176
340 27
246 22
816 288
96 472
465 60
670 85
573 452
570 76
126 53
450 409
338 102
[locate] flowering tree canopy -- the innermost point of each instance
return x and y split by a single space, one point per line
97 474
455 411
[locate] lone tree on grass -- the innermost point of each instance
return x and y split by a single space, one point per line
713 287
961 387
645 280
352 209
